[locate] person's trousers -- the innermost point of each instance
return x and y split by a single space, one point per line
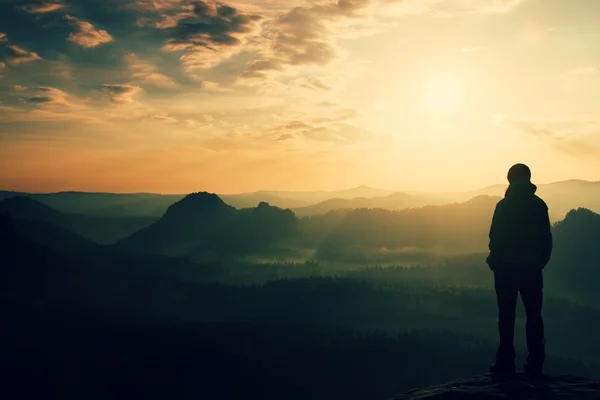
509 282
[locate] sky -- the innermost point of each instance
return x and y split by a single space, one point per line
179 96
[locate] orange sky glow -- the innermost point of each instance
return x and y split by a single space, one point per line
177 96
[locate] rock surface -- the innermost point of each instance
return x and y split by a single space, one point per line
522 387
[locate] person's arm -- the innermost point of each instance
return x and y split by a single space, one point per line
496 237
546 237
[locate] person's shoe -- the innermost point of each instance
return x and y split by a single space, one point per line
533 370
500 370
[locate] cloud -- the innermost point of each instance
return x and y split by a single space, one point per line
7 109
42 7
206 32
2 65
121 94
146 73
310 83
46 102
343 133
342 114
158 5
3 37
46 96
17 55
259 68
573 137
295 126
301 37
165 118
181 121
334 126
163 14
52 104
86 35
284 136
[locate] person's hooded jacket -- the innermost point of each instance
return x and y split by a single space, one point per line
520 233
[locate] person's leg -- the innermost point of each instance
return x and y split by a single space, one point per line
531 289
506 287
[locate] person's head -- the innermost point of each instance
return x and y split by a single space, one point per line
519 172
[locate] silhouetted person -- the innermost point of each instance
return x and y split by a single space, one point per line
520 247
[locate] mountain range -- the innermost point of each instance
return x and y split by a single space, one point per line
561 197
201 227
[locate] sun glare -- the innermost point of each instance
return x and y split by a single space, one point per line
444 93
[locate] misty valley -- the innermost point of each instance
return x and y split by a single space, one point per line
359 294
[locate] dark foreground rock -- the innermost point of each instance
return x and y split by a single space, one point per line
522 387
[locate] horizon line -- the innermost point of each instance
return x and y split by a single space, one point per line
288 191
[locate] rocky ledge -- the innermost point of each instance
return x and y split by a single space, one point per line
522 387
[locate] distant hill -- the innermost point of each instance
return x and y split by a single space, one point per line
254 229
103 230
376 234
568 195
254 199
103 204
574 262
202 226
32 276
187 224
395 201
37 281
27 208
297 200
53 236
320 195
561 197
